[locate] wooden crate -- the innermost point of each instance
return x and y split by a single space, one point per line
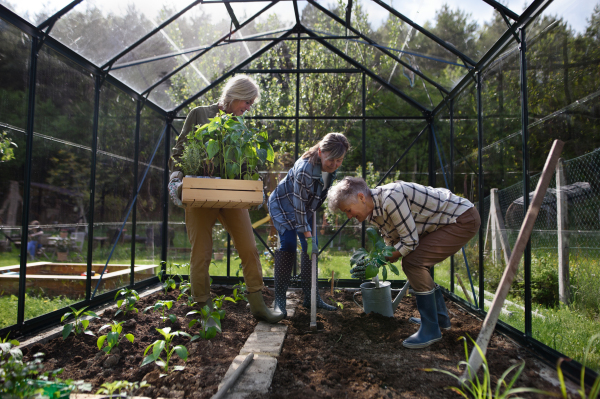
221 193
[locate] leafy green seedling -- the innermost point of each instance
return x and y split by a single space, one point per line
167 281
165 345
130 298
14 342
109 388
338 304
80 325
218 305
367 263
210 322
185 289
112 339
238 293
162 306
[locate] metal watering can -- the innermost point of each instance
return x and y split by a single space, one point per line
377 297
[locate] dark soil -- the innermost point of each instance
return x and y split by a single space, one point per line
352 355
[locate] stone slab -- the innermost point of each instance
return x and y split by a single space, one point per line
256 378
263 326
264 343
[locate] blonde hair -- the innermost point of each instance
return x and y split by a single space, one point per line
346 191
335 143
240 87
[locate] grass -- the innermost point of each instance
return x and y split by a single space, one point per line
34 306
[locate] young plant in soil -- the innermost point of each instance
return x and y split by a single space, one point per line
210 322
130 298
238 293
367 263
162 306
184 291
113 338
165 345
218 305
169 281
109 388
14 342
80 325
224 145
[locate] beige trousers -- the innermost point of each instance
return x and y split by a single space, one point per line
435 247
199 223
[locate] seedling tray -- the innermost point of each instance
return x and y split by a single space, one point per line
221 193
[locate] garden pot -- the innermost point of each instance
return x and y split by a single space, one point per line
61 256
219 255
379 299
221 193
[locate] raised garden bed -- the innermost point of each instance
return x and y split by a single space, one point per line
353 355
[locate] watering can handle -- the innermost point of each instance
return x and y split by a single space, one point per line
354 299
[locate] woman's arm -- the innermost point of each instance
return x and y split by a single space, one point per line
302 189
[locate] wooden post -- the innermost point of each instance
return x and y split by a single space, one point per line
463 288
313 293
489 324
562 227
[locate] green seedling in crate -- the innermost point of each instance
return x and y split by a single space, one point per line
162 306
210 322
113 338
109 388
130 298
165 345
80 325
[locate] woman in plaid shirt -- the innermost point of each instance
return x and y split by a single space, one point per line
291 206
426 225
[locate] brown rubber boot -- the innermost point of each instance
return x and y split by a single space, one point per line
260 310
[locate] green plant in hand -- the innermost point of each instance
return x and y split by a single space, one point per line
474 387
223 146
162 306
210 322
367 263
165 345
109 388
80 325
130 298
113 338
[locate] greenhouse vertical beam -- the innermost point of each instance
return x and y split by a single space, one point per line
136 159
526 182
27 179
90 237
297 139
451 177
480 191
165 191
364 145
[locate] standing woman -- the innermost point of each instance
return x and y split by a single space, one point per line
238 96
291 206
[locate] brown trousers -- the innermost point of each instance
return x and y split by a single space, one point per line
435 247
199 223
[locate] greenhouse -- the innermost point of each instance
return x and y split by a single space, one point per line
468 96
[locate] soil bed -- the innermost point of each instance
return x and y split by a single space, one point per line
353 355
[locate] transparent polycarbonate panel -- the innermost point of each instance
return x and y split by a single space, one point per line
280 16
562 56
177 241
60 179
382 101
331 94
320 23
469 26
100 30
35 11
283 55
277 95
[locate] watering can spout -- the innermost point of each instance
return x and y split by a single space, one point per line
400 296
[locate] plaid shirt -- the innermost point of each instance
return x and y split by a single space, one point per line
293 202
404 211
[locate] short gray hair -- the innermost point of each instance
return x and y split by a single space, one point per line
347 190
240 87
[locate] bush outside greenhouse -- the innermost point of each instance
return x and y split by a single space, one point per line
468 96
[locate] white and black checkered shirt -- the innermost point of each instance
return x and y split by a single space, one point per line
404 211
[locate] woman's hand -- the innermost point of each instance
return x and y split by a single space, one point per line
394 258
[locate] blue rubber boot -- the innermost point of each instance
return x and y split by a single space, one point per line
429 332
306 276
442 311
282 275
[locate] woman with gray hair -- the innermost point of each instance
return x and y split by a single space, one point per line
238 96
426 225
291 206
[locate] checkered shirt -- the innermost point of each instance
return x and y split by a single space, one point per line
404 211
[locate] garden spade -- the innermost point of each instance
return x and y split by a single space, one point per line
313 292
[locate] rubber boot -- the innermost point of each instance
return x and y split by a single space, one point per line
306 276
429 331
260 310
442 311
282 274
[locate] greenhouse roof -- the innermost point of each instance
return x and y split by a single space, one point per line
407 47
